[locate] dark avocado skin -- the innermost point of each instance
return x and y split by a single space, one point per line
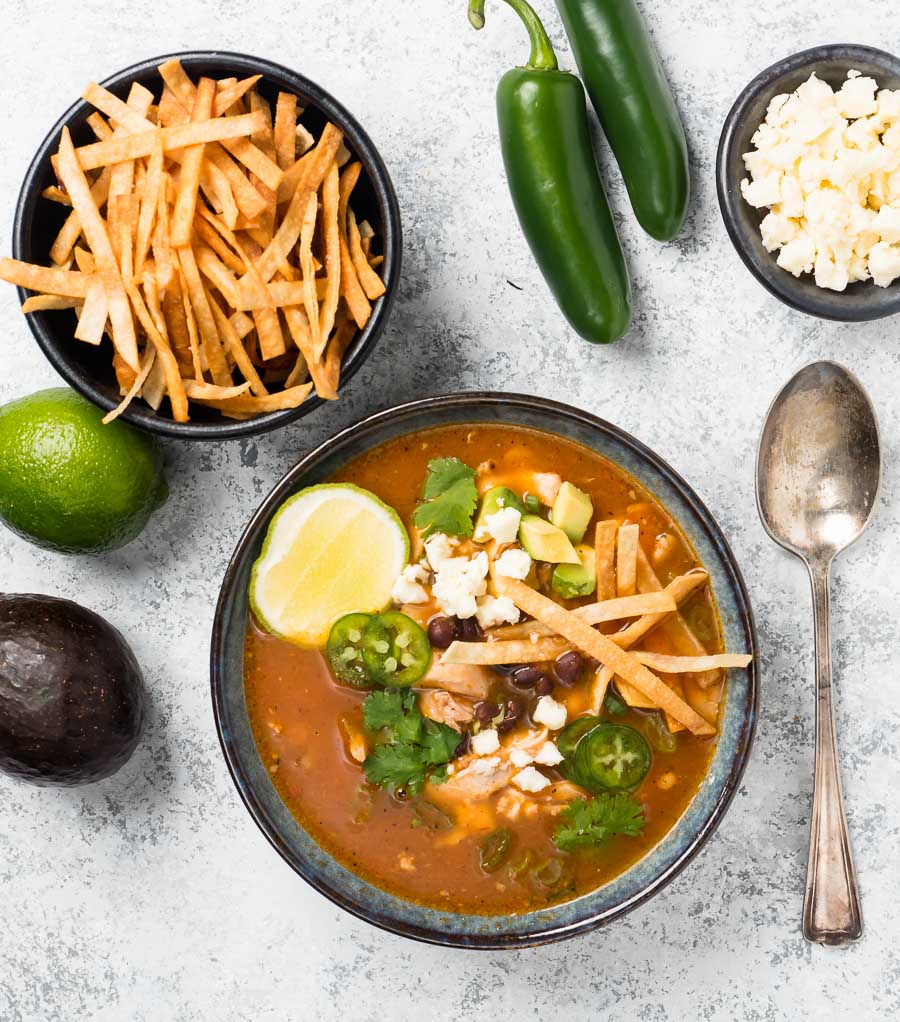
72 696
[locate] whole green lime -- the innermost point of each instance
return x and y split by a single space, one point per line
69 483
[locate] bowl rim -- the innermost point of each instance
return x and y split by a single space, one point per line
385 195
368 428
782 284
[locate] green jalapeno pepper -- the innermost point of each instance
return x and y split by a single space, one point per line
344 650
556 188
631 94
395 650
611 757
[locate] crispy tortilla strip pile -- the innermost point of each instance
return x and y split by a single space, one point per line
213 240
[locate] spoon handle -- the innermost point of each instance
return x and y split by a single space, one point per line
831 911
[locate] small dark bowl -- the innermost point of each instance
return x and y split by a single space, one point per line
556 922
862 300
89 370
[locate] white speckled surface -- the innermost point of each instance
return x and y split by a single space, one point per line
152 896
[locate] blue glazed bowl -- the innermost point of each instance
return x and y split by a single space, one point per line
585 913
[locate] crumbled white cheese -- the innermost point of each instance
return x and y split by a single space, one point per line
458 581
548 754
496 610
485 742
546 486
550 713
827 165
513 563
520 758
503 525
408 587
439 548
530 779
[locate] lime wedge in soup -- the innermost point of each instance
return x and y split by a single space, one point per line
330 550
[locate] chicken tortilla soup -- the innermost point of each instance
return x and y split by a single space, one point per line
484 667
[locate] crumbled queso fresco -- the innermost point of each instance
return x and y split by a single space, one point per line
827 165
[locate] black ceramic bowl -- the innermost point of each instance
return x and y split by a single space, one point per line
89 370
556 922
862 300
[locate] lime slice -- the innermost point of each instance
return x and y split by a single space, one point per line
330 550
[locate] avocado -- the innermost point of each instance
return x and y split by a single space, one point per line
573 580
72 697
496 498
544 542
572 511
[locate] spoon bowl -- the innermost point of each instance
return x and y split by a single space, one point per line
819 462
817 478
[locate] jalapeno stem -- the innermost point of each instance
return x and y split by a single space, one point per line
542 56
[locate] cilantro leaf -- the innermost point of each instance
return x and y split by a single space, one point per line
450 499
416 744
592 821
444 473
401 765
439 742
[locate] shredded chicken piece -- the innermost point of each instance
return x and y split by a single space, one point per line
446 709
476 777
469 680
546 486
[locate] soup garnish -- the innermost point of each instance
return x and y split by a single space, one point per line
520 711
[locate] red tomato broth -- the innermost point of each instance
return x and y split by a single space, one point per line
295 707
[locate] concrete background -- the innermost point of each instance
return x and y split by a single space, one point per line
152 896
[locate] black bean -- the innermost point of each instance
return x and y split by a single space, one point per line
442 631
470 630
464 744
544 687
526 677
568 668
512 715
486 711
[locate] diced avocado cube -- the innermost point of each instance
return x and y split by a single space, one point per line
573 580
572 511
496 498
545 542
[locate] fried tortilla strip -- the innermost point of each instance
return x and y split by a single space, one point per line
369 280
348 183
120 316
286 129
615 609
351 289
228 95
92 321
168 365
179 136
149 208
206 324
134 389
308 270
602 649
56 194
196 390
46 279
247 199
268 329
326 374
50 303
677 628
70 232
217 273
231 338
514 651
122 175
247 405
182 226
332 241
605 536
628 541
319 160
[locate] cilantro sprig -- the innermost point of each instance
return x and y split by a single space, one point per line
450 498
590 822
415 749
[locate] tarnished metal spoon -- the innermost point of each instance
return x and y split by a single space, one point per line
817 476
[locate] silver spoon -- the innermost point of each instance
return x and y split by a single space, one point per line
817 477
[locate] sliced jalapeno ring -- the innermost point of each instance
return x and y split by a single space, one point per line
612 757
493 849
344 650
572 734
395 649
